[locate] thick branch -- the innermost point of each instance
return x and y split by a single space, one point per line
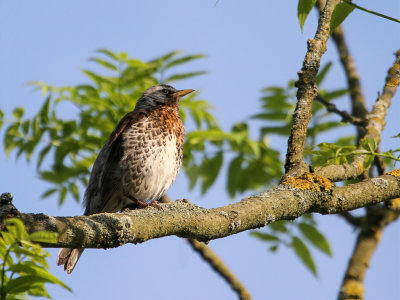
376 123
307 90
187 220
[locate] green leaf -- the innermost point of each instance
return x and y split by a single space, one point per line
1 118
234 175
44 111
22 284
304 254
273 248
209 170
44 237
272 116
315 237
279 226
340 13
62 195
369 145
19 228
303 9
395 136
42 155
176 77
18 113
182 60
8 237
38 291
264 236
39 272
3 252
74 191
25 126
322 73
108 53
334 94
104 63
160 60
368 160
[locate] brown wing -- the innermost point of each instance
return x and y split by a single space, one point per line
105 179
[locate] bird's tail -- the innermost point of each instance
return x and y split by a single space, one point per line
69 257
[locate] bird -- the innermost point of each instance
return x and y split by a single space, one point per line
139 162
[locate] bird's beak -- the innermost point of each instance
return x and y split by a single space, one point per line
182 93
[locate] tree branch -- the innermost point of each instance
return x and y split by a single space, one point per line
368 239
188 220
307 90
346 117
358 102
215 262
218 265
352 220
376 123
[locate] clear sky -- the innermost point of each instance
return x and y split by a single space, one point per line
250 45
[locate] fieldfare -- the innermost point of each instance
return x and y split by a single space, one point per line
139 162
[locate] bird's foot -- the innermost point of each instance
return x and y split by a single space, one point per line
142 204
137 204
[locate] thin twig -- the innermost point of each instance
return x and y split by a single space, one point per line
211 258
371 11
358 102
346 116
218 265
352 220
376 123
379 163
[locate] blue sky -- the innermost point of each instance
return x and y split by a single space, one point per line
249 45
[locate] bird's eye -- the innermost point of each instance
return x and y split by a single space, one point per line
165 92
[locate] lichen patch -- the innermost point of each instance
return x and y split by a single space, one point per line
309 181
395 172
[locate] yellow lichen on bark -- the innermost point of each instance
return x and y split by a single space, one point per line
395 172
394 204
353 290
393 71
309 181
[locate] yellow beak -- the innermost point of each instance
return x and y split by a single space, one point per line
182 93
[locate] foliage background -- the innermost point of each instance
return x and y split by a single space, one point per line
249 47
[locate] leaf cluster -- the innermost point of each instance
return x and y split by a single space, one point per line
341 152
24 269
298 236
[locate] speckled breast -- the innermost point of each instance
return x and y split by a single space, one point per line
152 156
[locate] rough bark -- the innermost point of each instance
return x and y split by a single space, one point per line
376 124
368 239
307 90
188 220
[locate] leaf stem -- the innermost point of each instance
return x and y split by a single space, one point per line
3 271
371 11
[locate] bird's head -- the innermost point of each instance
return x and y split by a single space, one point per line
160 95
